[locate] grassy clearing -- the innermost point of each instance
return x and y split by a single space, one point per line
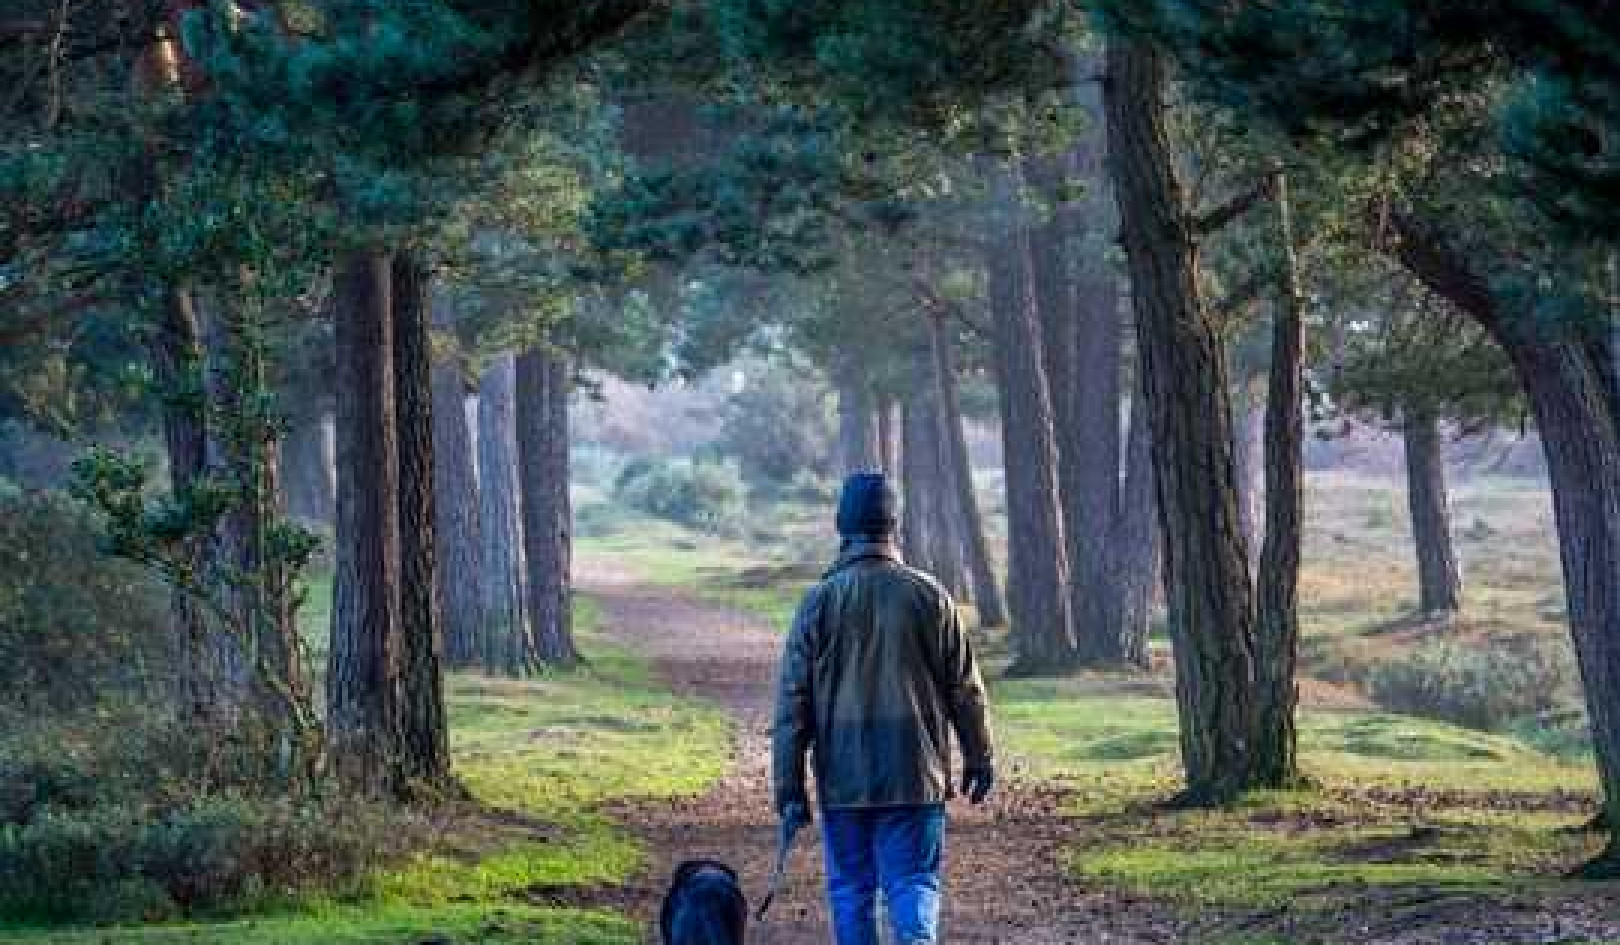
1404 806
544 756
763 574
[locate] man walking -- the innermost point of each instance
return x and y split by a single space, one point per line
876 674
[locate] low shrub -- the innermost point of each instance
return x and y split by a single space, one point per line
1484 686
1562 733
708 496
207 856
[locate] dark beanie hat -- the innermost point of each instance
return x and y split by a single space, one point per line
868 506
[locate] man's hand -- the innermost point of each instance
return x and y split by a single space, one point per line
977 782
795 816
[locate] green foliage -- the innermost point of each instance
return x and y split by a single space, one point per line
1361 73
122 812
896 58
779 427
707 496
76 628
1483 687
112 863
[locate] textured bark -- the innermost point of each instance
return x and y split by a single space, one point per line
1037 566
858 446
931 523
263 644
1439 583
1565 372
1210 600
889 435
425 740
987 599
177 355
363 670
915 490
508 646
307 462
1092 486
1277 584
456 519
543 384
1135 540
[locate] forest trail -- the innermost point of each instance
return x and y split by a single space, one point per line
1004 879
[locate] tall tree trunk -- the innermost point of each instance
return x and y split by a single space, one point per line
1038 565
889 435
858 447
177 354
362 715
424 728
916 492
1439 584
456 519
542 402
1135 540
1211 603
1577 413
1093 488
508 645
987 600
1277 586
1251 459
307 469
265 643
931 525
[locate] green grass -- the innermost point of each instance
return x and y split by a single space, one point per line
1402 804
763 577
549 753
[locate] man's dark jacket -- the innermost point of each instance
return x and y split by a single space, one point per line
876 674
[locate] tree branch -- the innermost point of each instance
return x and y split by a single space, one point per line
1218 217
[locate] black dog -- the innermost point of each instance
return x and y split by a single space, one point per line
704 906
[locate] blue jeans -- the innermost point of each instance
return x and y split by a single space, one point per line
896 849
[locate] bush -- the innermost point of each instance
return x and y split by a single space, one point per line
1480 686
210 855
123 813
705 496
778 426
75 625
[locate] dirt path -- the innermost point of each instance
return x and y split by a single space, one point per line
1004 881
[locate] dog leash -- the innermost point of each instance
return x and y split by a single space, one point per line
784 849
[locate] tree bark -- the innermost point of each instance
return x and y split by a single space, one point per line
987 599
1135 541
425 732
508 645
1565 374
889 435
916 495
362 715
1211 605
1277 585
858 446
543 385
1439 583
177 354
456 519
1038 565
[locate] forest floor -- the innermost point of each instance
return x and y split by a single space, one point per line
1419 832
1004 875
